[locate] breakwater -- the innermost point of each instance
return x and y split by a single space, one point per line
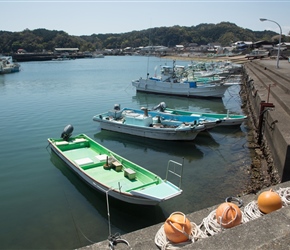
26 57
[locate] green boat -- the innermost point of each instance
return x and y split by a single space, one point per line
110 173
225 119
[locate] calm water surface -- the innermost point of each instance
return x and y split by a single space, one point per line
45 206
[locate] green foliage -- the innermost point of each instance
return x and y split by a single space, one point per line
41 39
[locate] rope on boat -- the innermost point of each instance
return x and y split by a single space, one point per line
209 225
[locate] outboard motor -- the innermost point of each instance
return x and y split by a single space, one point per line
117 107
161 107
67 132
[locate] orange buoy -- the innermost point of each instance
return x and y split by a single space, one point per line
269 201
177 228
228 215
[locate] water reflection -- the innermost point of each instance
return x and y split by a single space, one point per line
1 80
204 105
186 149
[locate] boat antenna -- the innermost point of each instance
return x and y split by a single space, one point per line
116 238
150 47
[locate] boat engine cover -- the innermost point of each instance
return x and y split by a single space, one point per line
67 132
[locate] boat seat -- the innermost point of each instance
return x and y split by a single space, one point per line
80 140
101 157
58 143
84 161
130 173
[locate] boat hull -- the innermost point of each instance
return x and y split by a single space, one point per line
82 157
225 119
149 132
180 89
103 189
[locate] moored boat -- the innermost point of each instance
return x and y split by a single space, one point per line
6 66
176 81
134 122
225 119
166 117
111 173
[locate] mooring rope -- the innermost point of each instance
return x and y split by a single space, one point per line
251 211
210 226
285 195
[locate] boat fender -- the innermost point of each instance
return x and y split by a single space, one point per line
67 132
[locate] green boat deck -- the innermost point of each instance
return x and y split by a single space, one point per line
93 165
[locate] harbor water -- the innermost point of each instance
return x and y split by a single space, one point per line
44 205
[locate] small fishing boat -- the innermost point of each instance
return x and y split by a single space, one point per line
7 66
176 81
167 117
134 122
224 119
111 173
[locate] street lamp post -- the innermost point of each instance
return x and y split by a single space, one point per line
279 46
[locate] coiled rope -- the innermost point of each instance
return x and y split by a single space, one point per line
209 225
164 244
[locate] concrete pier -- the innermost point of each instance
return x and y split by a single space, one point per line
271 231
268 93
265 84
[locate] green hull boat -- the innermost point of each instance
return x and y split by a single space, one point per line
110 173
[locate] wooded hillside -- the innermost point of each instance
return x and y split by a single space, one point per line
40 40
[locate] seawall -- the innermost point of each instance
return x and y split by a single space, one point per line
268 90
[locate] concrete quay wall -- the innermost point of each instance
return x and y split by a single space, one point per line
271 231
268 84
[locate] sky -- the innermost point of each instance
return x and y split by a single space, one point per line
87 17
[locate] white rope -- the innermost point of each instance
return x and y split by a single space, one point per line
285 195
251 211
164 244
210 224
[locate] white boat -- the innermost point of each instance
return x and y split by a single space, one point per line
98 56
159 112
257 53
7 66
174 82
112 174
145 125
